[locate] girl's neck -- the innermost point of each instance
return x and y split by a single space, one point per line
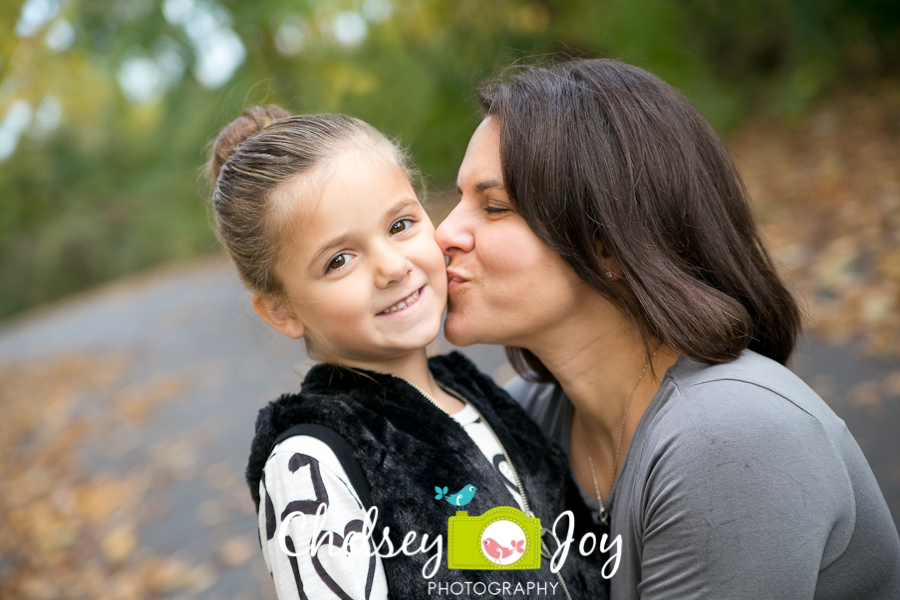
413 368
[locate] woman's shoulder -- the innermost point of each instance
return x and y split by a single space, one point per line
751 385
710 424
535 398
749 367
545 404
751 404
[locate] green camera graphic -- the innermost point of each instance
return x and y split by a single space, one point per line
501 538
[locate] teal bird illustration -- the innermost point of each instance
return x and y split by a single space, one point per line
460 498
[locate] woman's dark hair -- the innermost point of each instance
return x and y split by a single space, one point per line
612 167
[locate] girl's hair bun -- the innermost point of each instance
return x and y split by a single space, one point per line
251 122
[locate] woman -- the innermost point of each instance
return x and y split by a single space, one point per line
604 236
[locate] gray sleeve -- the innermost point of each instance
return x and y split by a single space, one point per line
546 405
728 502
528 395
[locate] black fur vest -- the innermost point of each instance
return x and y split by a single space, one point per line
406 447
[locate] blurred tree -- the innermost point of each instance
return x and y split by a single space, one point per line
106 106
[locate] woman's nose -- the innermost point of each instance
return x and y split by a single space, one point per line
455 233
391 267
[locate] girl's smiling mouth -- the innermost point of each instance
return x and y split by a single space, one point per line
403 304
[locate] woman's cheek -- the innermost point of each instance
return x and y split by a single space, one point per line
518 255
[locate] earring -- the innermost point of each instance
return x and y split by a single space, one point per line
609 274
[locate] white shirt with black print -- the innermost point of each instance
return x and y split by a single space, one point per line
303 472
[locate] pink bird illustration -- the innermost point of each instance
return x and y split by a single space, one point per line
493 549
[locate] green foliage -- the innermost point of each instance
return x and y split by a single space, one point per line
117 186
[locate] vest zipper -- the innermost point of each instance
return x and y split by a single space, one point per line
512 467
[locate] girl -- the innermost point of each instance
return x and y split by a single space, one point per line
318 214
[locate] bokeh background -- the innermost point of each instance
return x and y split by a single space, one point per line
131 365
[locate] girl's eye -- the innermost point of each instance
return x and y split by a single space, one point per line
401 225
337 262
492 210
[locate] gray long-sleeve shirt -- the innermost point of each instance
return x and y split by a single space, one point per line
740 482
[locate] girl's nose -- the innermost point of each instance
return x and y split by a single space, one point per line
454 234
391 267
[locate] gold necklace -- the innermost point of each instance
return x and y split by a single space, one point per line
602 512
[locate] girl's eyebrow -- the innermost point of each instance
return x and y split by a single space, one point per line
332 245
342 239
401 206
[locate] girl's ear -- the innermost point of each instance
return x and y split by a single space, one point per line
277 313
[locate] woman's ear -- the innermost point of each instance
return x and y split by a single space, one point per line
276 312
611 269
608 264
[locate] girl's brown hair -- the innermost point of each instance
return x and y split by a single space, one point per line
258 152
608 164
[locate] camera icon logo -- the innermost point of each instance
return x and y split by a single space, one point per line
502 538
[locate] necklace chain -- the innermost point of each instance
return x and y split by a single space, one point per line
602 512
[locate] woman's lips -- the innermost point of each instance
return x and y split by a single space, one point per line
454 281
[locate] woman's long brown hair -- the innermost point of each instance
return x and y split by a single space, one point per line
609 164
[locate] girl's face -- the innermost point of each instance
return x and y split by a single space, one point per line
364 276
506 286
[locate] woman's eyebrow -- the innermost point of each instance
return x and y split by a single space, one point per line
481 186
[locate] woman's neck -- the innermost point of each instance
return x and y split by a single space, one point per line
598 359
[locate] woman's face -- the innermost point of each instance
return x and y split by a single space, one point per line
505 286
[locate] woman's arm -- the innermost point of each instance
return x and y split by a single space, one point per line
301 475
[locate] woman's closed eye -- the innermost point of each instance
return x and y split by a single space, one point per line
401 225
495 210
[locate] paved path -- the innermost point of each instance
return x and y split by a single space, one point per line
187 345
